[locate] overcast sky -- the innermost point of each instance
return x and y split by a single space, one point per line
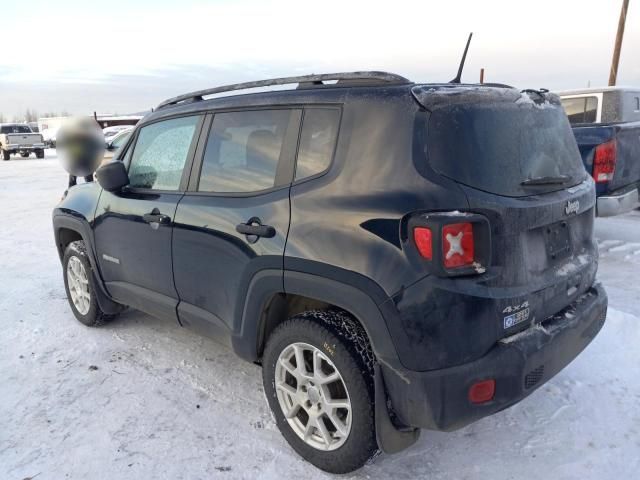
127 56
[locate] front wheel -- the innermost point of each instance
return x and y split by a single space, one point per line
6 155
80 286
317 375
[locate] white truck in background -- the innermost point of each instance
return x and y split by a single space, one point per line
49 127
18 138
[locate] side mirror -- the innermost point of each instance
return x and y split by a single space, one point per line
113 176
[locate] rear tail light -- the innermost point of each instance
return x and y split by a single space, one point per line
604 162
450 244
424 242
481 392
457 245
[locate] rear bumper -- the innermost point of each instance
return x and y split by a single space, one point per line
519 364
24 148
616 204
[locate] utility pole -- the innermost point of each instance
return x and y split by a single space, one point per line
482 75
613 73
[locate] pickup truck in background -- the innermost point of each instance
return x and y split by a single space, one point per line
606 124
18 138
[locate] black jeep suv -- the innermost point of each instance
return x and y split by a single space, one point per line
396 256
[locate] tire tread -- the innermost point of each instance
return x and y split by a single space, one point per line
339 326
98 318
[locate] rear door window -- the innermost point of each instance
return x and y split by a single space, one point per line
244 150
160 153
581 109
317 141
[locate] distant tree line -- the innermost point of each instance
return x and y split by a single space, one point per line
31 115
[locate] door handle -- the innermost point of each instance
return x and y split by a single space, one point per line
156 217
255 228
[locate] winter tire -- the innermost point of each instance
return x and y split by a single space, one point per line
39 153
318 379
80 286
6 155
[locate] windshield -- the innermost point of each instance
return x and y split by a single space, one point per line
509 148
15 129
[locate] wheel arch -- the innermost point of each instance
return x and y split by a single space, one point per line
69 229
65 236
267 304
273 296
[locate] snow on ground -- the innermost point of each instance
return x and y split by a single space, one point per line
165 403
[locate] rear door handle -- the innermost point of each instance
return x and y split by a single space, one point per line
255 228
156 217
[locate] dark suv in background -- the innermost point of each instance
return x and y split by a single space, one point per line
396 256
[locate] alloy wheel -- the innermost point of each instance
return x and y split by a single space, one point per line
313 396
78 284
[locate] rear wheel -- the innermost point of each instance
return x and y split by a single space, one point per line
39 153
6 155
318 381
80 286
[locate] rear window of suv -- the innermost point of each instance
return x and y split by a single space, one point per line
498 146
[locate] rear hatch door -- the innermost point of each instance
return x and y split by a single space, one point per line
515 157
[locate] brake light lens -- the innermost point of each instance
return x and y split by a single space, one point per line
604 162
457 245
483 391
424 242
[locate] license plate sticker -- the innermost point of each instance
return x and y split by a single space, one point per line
516 318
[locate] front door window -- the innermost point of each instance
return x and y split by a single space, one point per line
160 153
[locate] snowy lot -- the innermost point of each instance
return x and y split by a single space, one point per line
166 403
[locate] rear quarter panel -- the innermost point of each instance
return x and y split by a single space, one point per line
351 217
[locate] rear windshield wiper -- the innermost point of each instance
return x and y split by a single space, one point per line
559 180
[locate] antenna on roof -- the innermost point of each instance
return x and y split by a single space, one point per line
464 57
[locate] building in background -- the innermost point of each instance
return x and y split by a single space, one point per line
49 126
110 120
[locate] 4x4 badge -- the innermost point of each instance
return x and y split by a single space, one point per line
572 207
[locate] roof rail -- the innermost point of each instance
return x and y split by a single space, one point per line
379 77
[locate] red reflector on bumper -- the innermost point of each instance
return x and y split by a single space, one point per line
483 391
